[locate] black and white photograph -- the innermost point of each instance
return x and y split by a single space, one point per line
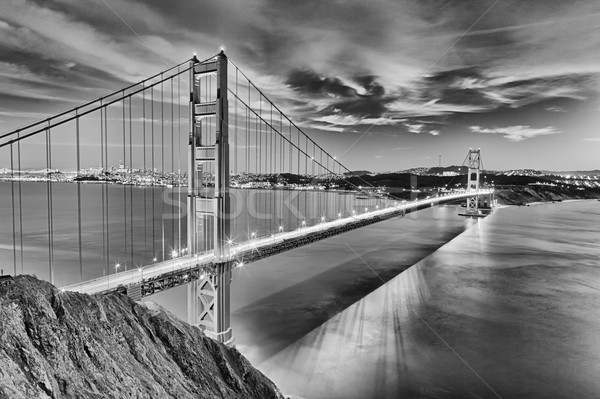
299 199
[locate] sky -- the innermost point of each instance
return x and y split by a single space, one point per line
385 85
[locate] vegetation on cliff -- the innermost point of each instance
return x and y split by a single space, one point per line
521 195
57 344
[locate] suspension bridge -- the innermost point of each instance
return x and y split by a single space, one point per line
177 157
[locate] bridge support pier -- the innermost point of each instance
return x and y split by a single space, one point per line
209 304
209 204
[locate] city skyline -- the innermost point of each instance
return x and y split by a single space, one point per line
386 85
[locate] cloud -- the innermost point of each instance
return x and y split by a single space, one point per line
555 108
310 82
360 100
350 120
396 62
434 132
595 139
325 126
476 90
516 133
415 128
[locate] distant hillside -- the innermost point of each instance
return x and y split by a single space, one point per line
595 172
357 173
438 170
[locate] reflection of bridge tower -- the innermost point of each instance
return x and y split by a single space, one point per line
208 201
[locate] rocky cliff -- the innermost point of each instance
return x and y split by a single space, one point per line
521 195
57 344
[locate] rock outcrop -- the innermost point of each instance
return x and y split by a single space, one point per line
57 344
521 195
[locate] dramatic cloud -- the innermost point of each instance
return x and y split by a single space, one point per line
311 83
393 67
516 133
360 100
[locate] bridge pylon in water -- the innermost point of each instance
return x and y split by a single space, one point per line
479 204
209 202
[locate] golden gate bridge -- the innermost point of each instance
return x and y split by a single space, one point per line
204 125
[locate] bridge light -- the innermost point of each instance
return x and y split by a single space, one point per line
322 218
230 241
376 206
154 260
240 264
185 276
366 209
280 229
174 253
339 215
304 223
202 276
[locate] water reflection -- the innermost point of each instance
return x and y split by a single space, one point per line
507 309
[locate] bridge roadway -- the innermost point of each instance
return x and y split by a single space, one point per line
157 277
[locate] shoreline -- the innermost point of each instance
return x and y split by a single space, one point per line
528 196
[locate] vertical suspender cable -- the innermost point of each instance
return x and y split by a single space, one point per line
124 186
248 134
162 161
144 169
153 174
259 123
107 214
235 137
247 227
20 199
281 167
50 208
179 155
131 176
12 189
271 151
178 248
77 138
103 188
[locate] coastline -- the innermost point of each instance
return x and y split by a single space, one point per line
526 196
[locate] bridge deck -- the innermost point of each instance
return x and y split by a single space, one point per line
160 276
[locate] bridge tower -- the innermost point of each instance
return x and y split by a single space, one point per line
208 202
474 159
